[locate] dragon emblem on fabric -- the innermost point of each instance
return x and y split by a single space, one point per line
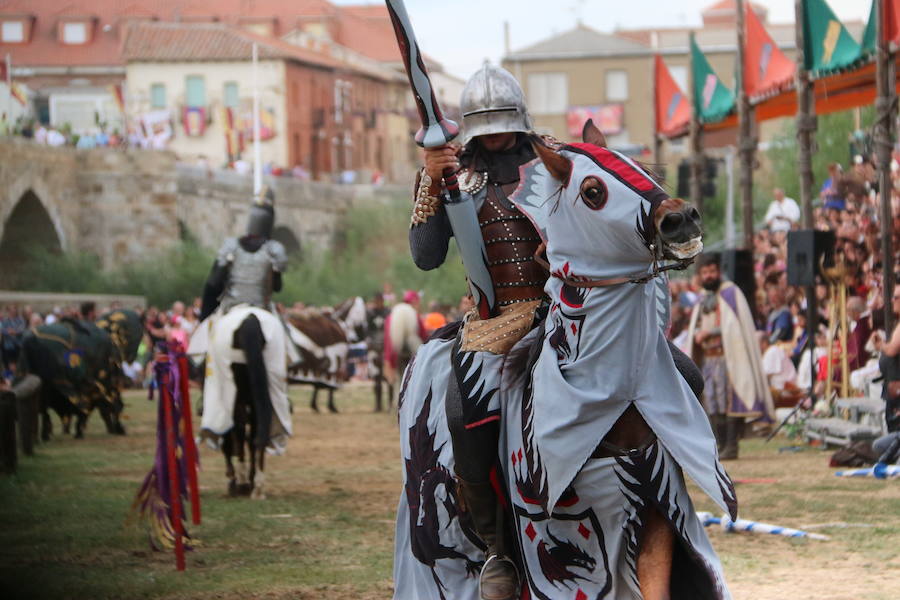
429 487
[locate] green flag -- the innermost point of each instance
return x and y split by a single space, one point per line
828 46
712 100
868 38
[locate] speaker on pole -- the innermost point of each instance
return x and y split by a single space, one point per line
807 249
737 266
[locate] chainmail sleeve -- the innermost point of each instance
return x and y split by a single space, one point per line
428 242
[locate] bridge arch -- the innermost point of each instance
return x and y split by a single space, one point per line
27 223
16 193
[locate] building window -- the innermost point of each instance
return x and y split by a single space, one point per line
158 95
230 97
13 31
264 29
74 33
548 93
195 91
616 86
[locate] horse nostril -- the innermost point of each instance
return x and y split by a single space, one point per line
670 224
694 215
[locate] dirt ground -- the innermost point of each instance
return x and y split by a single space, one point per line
326 527
862 517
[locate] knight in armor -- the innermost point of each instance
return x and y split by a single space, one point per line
248 269
496 127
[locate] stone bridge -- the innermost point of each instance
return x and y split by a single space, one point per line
124 205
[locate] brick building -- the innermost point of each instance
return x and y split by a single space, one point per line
611 74
354 110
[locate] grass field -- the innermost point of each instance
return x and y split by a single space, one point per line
326 529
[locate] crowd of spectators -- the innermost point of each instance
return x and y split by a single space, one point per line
176 324
848 204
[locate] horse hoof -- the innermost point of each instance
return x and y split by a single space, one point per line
314 407
119 430
79 435
243 489
258 494
332 408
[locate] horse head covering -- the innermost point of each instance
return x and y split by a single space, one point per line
608 226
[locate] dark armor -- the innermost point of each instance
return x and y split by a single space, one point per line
511 241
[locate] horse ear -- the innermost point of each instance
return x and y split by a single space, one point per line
559 166
591 134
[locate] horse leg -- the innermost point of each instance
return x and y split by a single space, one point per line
81 424
239 431
111 418
259 487
258 403
46 423
377 388
654 563
242 472
331 406
314 403
228 451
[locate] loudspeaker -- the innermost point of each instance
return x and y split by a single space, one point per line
737 266
807 249
684 179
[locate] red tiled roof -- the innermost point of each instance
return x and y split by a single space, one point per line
177 42
358 28
372 37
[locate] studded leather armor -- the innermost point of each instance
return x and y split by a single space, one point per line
510 241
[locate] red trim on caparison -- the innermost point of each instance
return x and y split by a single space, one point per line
623 170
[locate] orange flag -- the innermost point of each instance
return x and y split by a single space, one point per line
892 20
673 112
18 93
766 69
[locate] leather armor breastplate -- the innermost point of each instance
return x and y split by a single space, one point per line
510 241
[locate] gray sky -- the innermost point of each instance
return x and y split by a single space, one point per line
462 33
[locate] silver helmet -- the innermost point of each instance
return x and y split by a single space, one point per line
492 102
262 214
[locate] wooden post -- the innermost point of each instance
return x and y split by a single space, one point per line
696 133
885 105
658 158
746 140
806 122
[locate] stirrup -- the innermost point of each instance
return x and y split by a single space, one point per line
503 559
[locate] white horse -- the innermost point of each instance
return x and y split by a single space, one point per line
597 423
245 402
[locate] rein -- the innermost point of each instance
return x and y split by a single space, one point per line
678 265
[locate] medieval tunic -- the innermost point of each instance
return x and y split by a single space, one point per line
736 384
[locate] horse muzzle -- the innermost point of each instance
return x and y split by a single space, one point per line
680 232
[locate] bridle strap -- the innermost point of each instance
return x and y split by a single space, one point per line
640 278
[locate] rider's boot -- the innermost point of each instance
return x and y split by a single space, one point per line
499 579
734 426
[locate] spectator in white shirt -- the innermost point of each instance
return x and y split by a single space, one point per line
783 212
776 364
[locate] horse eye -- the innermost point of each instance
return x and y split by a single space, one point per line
593 193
